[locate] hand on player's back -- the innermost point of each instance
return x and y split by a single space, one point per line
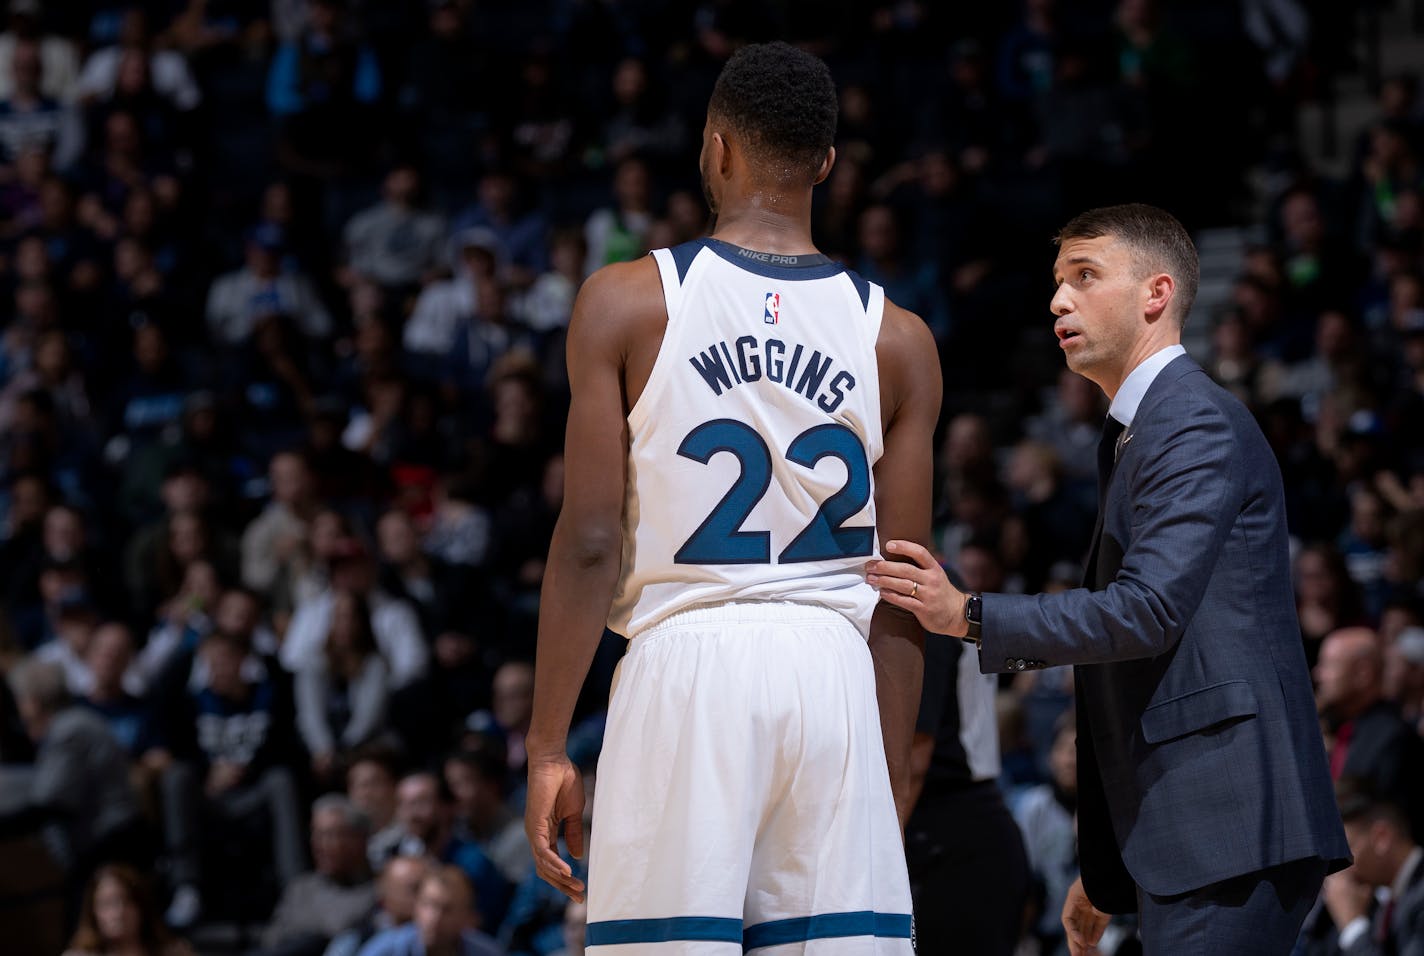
555 797
921 587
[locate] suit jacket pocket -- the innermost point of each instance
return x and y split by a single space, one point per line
1197 711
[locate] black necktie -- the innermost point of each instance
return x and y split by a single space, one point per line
1107 455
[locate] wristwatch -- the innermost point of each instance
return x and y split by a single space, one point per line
974 617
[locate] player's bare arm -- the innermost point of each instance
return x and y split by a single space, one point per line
910 399
607 340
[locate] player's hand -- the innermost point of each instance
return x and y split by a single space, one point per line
1082 921
920 588
1346 898
555 798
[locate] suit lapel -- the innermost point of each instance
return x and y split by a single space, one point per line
1107 464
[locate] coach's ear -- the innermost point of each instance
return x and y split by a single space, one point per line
826 165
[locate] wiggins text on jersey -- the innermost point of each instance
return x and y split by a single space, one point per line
724 367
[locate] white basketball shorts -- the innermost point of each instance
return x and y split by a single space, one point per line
742 801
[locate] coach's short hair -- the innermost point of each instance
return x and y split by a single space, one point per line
782 101
1158 241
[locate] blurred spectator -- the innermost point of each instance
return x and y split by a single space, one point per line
638 124
57 53
77 791
1366 739
336 896
29 119
960 825
430 585
239 300
1404 675
342 695
322 86
171 77
275 543
550 300
443 307
518 234
575 926
392 622
397 888
371 788
477 780
1046 814
1325 599
1387 859
395 242
109 694
1058 526
616 233
426 814
229 741
443 922
119 918
883 260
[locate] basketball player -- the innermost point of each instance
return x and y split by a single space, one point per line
748 420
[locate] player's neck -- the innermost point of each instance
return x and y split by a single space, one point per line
767 222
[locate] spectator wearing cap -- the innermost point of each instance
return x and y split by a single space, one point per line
396 242
239 300
393 622
1404 675
443 307
336 895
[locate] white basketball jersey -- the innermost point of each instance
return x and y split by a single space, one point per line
750 469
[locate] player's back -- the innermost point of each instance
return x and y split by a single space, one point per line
752 445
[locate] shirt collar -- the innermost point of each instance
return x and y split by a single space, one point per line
1406 872
1134 387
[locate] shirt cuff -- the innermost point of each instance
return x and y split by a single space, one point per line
1353 930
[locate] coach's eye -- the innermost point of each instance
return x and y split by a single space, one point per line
1083 276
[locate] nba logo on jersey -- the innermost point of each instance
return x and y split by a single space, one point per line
773 308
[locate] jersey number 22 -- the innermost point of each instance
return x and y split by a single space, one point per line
720 538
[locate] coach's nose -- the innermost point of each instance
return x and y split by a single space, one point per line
1061 303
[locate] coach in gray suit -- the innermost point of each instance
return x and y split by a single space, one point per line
1205 803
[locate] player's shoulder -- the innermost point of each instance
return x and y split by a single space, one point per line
905 339
619 298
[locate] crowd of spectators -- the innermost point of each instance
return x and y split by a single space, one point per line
282 297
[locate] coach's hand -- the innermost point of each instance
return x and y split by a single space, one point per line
1082 921
921 587
555 798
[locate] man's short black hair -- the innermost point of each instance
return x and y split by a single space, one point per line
1159 243
782 101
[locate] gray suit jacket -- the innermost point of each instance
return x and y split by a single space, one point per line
1199 753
